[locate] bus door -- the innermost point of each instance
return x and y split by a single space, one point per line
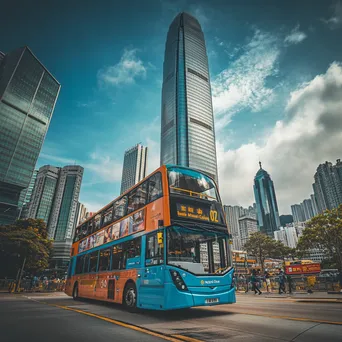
152 276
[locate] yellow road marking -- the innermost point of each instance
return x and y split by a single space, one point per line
179 338
187 338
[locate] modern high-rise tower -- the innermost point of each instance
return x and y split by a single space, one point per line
266 201
28 94
187 122
55 200
134 166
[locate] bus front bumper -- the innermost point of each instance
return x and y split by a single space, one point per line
198 296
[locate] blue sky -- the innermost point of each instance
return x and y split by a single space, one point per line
276 79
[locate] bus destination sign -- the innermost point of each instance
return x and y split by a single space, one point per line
197 213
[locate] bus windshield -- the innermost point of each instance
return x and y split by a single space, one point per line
197 251
192 183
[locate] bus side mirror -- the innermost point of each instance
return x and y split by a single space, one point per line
160 238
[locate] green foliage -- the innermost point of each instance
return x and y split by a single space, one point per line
262 247
25 238
324 232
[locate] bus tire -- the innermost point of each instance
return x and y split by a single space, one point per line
130 296
75 292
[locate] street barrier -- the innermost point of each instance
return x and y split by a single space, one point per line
29 285
303 283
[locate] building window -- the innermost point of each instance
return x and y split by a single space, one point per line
194 72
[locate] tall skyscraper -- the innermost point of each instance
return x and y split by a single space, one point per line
297 213
328 185
187 122
267 207
61 225
55 199
134 166
44 193
28 94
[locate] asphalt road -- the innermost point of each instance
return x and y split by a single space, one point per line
56 317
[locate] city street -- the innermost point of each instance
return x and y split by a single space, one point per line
56 317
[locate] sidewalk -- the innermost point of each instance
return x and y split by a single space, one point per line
300 296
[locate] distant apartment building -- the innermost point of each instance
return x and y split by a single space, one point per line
28 94
134 166
247 226
297 213
55 200
328 185
288 236
314 204
307 209
233 214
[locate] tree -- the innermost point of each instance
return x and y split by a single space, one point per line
324 231
262 247
25 239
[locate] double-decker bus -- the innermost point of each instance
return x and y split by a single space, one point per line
163 244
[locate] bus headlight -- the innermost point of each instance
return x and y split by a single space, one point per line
178 280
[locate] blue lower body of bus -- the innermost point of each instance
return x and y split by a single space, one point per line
169 288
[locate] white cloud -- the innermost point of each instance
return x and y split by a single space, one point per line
242 84
105 168
295 37
310 134
126 71
335 21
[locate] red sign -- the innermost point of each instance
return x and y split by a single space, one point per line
303 269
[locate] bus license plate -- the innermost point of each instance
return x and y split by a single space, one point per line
211 300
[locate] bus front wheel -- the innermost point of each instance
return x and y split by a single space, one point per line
130 296
75 292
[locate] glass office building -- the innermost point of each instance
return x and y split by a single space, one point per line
266 202
187 122
28 94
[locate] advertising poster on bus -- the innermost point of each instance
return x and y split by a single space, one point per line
82 246
138 221
126 226
99 237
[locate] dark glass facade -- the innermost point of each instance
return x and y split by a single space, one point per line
187 123
266 202
28 93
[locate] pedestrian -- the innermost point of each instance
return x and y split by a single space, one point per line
254 281
247 283
268 282
281 276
